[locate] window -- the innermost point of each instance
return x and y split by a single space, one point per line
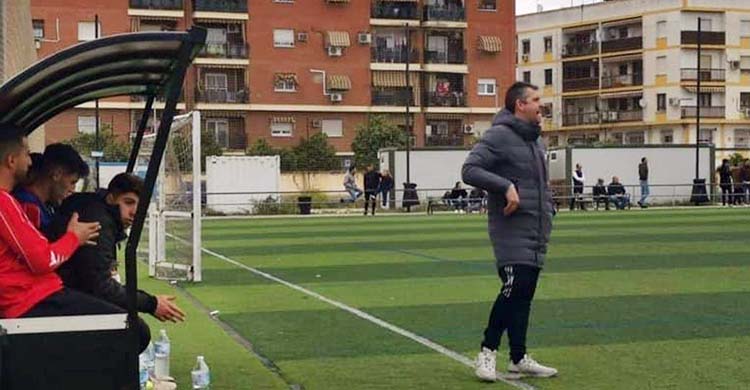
86 31
745 64
282 129
216 36
741 138
283 38
525 46
661 65
220 130
333 127
623 32
548 77
704 99
706 136
548 44
635 138
745 28
486 87
488 5
661 102
546 110
87 124
527 76
616 138
745 100
38 29
667 136
661 29
286 82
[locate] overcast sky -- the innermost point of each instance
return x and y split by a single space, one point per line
529 6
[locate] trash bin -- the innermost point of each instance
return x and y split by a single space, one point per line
411 198
305 204
699 195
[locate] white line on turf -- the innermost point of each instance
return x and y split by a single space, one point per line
359 313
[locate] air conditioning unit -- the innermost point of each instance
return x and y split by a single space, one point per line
364 38
468 129
674 102
37 43
525 58
335 51
316 123
734 64
336 97
302 36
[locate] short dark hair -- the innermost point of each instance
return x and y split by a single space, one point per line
11 139
63 156
515 92
643 159
124 183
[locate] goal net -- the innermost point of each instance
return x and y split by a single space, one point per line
174 240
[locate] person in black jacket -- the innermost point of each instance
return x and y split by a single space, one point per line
386 185
92 269
725 182
372 182
600 194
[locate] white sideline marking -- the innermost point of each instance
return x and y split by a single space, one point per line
359 313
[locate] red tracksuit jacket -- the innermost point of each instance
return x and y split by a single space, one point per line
27 260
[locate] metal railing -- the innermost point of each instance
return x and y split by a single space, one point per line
580 49
444 13
225 50
396 54
222 96
580 84
710 74
220 5
452 56
391 97
390 10
444 140
707 37
611 116
156 4
622 80
706 112
581 118
623 44
451 99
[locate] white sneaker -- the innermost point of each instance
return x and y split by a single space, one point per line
528 366
485 365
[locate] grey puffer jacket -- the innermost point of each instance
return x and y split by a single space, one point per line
511 153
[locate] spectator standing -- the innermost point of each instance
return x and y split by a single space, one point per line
725 182
386 185
371 184
579 180
643 178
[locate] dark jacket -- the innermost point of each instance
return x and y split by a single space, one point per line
372 180
599 190
511 152
643 171
386 183
90 268
725 175
745 173
616 189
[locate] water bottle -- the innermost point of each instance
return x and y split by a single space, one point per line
148 356
201 375
161 355
142 372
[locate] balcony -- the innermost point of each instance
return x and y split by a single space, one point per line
452 56
220 5
580 49
391 10
452 13
692 74
622 80
580 84
224 50
156 4
581 118
449 99
631 43
706 112
222 96
707 37
622 116
444 140
391 97
396 55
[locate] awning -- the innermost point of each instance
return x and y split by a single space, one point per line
713 89
218 21
278 77
126 64
617 95
490 44
613 60
222 114
339 82
393 79
338 38
283 119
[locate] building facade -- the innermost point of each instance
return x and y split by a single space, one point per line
281 70
626 72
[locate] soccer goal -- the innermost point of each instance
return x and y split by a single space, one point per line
174 240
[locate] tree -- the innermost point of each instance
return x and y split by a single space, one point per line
377 133
114 149
315 154
736 159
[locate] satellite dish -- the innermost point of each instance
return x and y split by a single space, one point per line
642 103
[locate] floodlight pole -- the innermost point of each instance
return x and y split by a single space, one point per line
96 153
407 117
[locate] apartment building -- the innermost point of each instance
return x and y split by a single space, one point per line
626 71
284 69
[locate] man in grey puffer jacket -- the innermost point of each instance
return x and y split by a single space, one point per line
509 163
